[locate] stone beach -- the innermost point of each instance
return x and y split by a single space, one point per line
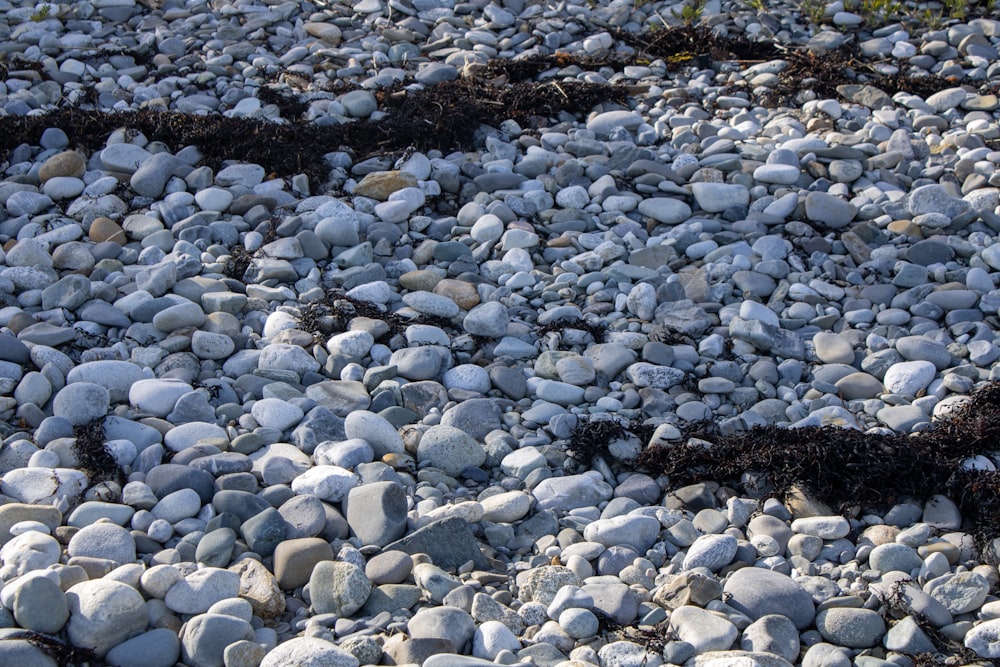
353 448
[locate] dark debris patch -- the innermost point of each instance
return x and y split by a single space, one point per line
93 455
336 309
846 65
698 45
597 330
64 654
949 653
846 468
592 437
445 117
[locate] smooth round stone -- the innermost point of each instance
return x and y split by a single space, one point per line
375 430
295 559
604 123
103 614
489 319
376 512
850 627
772 634
181 504
213 199
717 197
179 316
961 592
346 453
832 211
103 540
116 376
64 164
859 386
308 651
156 648
81 402
40 605
208 345
450 450
338 587
506 507
825 527
206 637
665 210
779 174
491 638
578 623
431 304
187 435
276 413
984 639
702 629
389 567
710 551
157 397
359 103
63 187
468 377
449 623
30 551
351 344
833 349
330 483
637 531
198 591
894 557
757 592
908 378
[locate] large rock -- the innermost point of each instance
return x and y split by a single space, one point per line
758 592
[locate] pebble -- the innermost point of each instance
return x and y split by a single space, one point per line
690 254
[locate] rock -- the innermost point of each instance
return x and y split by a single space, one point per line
448 623
337 587
710 551
450 450
40 606
103 614
308 652
295 559
198 591
850 627
156 648
702 629
757 592
205 637
376 512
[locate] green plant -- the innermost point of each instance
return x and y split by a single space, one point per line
956 9
756 5
41 13
880 12
691 12
814 10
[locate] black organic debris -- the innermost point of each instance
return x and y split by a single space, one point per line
93 455
65 655
697 45
847 469
895 608
443 117
596 329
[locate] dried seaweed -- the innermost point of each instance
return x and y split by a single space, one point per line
444 117
846 468
64 654
93 455
597 330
